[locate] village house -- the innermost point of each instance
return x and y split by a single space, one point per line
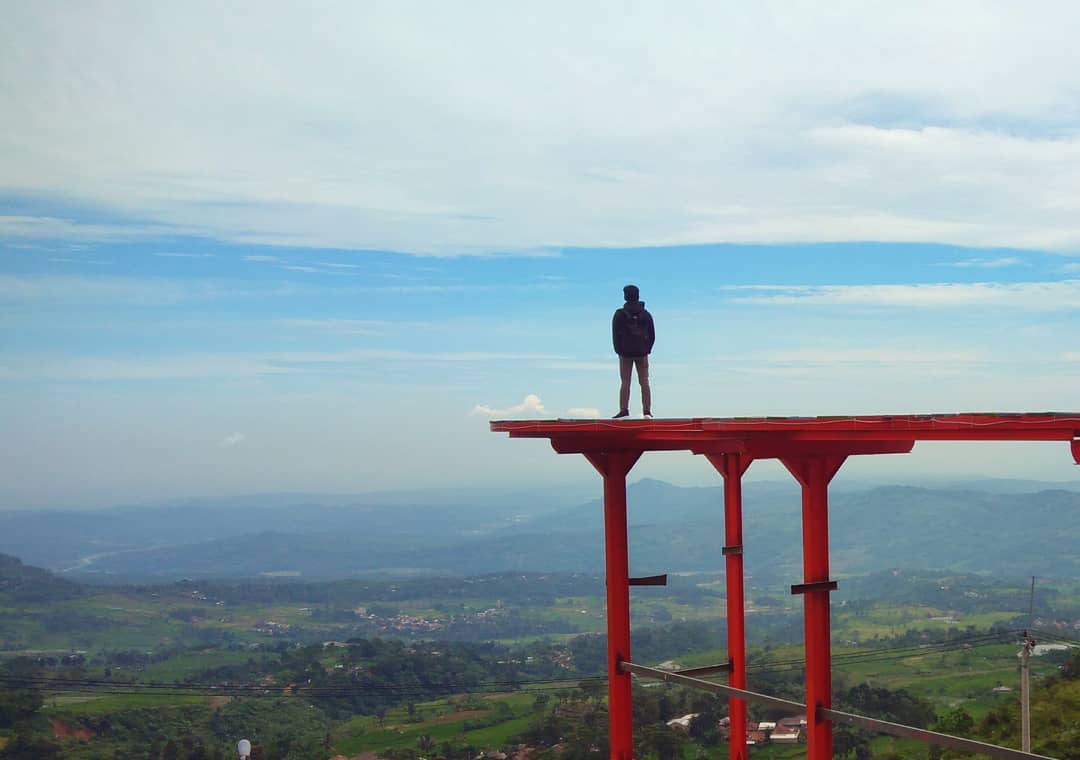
682 723
790 730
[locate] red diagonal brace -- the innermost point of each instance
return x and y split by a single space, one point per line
1076 450
614 466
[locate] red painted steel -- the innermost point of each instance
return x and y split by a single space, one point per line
614 467
1048 426
814 474
732 467
813 449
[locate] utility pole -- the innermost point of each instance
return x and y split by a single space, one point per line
1025 677
1025 693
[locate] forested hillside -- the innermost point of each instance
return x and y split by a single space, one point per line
672 529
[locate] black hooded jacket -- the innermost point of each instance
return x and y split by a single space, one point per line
632 330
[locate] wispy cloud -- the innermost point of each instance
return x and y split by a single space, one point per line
304 268
531 406
234 439
872 356
56 228
177 255
353 326
146 291
582 366
336 326
984 263
97 369
69 260
231 365
339 265
1040 296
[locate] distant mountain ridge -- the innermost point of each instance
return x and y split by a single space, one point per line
671 529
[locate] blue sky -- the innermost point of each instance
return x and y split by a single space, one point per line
284 249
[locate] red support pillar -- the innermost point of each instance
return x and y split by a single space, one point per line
732 467
614 466
814 473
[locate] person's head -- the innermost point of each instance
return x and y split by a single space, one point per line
630 293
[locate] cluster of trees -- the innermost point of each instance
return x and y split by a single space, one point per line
289 729
895 705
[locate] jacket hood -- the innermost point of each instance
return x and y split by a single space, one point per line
633 307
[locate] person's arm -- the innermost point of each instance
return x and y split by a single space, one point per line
615 330
652 333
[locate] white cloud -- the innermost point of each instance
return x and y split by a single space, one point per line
1063 295
596 127
982 263
232 440
1071 267
532 406
175 255
583 412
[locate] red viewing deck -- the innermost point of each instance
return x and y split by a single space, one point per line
813 449
746 433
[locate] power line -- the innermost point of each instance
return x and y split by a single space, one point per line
888 653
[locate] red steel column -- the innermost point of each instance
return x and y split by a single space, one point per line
732 467
614 466
814 474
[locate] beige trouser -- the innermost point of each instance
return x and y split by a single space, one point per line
626 364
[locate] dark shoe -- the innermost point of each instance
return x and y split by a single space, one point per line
647 415
622 413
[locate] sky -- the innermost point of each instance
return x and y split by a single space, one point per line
316 247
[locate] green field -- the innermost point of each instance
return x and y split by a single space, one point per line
183 637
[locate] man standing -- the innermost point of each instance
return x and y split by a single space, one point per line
633 334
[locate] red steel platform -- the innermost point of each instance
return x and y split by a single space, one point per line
813 449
